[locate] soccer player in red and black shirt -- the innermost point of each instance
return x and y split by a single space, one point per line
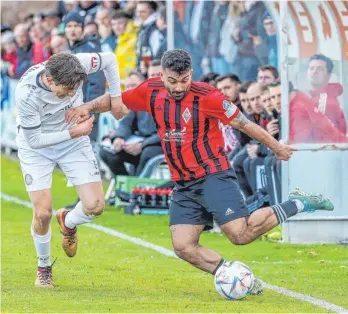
187 116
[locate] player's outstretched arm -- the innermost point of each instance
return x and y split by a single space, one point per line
240 122
103 103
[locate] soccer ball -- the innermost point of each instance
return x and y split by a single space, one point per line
234 280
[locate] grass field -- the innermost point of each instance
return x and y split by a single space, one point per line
113 275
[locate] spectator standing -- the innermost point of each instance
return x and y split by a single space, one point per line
196 26
219 15
161 24
267 49
91 29
24 51
50 20
86 9
250 26
107 37
126 32
59 43
95 85
8 54
229 36
266 75
149 37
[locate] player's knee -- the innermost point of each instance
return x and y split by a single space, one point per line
95 207
239 240
43 216
186 253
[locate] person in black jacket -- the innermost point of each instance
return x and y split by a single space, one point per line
95 85
134 141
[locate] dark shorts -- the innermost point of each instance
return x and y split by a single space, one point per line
197 202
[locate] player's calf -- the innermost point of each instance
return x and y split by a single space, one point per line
94 207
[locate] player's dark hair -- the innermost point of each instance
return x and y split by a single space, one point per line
232 77
271 68
328 61
244 87
155 63
65 69
176 60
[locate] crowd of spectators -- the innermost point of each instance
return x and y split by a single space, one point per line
234 48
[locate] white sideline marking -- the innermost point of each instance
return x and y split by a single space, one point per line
166 252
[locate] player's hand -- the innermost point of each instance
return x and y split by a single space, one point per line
133 149
284 152
77 115
84 128
273 127
118 144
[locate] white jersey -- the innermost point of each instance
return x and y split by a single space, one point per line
39 108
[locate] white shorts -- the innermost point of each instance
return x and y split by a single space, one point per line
76 158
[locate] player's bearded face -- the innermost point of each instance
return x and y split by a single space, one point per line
176 84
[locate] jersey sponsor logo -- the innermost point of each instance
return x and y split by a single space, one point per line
159 108
28 179
230 108
229 211
186 115
33 68
67 107
94 62
175 136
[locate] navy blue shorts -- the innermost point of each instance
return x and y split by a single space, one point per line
218 195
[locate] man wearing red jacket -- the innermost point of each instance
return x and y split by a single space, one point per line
323 93
309 125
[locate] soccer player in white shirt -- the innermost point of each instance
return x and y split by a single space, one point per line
44 94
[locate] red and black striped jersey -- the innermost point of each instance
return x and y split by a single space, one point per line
189 128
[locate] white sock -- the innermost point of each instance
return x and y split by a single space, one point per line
43 247
76 217
299 205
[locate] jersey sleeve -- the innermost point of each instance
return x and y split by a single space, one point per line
136 99
216 105
92 62
30 122
106 61
27 108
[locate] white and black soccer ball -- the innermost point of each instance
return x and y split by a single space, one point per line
234 280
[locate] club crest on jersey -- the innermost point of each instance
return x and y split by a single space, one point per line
94 62
175 135
186 115
230 108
